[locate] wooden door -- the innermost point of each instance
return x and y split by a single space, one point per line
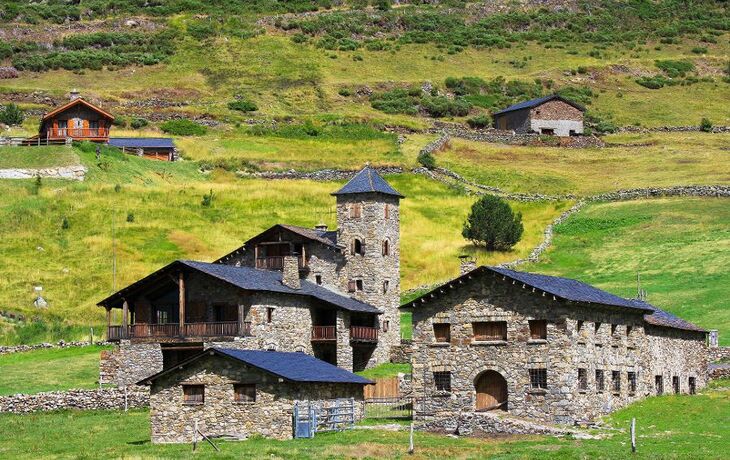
491 390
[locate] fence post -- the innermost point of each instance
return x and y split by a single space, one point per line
411 448
126 405
633 435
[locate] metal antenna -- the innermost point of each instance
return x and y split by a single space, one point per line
114 253
640 293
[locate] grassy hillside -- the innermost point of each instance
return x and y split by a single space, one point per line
37 157
701 432
680 247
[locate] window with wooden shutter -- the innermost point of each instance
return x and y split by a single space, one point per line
387 211
631 378
193 394
692 386
357 247
351 286
600 384
355 210
538 329
582 379
659 384
616 381
489 331
442 332
386 248
675 384
244 392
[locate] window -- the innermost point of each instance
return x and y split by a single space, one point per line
631 377
614 327
616 381
600 384
357 247
244 392
538 329
193 394
358 285
582 379
597 327
386 326
692 386
442 332
387 211
386 286
659 384
628 331
355 210
442 381
675 384
386 248
269 314
538 379
354 285
490 330
94 124
318 279
579 325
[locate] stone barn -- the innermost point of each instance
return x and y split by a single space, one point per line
239 393
547 348
551 115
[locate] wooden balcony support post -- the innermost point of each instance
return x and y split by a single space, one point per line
181 284
125 317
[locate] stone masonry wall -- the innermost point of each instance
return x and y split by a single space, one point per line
270 415
107 398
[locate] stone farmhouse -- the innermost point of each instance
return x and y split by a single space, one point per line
333 294
547 348
239 393
551 115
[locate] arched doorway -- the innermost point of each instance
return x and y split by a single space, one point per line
491 390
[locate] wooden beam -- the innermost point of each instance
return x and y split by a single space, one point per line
125 314
181 283
108 317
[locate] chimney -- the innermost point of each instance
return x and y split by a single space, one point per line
321 227
468 263
290 275
74 94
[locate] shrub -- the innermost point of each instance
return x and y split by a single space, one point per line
207 200
479 122
395 101
493 224
183 127
11 115
130 217
440 106
427 160
675 68
37 184
344 92
699 50
138 123
200 30
65 225
705 125
243 105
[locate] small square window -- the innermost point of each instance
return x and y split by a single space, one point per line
631 377
244 392
358 285
582 379
659 384
193 394
600 383
675 384
692 386
538 329
318 279
597 327
616 381
355 210
538 379
269 314
579 325
442 381
628 330
387 211
490 330
386 325
442 332
386 286
614 328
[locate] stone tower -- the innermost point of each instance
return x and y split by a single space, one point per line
368 218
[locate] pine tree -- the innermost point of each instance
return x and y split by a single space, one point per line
493 224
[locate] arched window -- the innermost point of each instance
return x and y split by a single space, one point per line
386 248
357 247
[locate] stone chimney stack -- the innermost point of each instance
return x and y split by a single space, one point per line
290 276
468 263
321 227
74 94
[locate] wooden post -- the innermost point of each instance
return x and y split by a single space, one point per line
125 317
195 436
633 435
108 318
411 448
181 284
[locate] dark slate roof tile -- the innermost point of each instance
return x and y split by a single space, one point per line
368 181
535 102
663 318
328 238
142 142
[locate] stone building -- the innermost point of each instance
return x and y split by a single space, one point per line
547 348
331 293
551 115
239 393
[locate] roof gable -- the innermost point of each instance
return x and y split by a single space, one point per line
368 181
78 101
539 101
295 367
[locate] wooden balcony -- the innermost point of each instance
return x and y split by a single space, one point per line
275 263
78 133
324 334
173 330
363 334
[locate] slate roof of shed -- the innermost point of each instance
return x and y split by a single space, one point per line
142 142
252 279
538 101
368 181
663 318
295 367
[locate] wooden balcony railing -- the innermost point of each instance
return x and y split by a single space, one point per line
78 132
275 263
324 334
363 334
216 329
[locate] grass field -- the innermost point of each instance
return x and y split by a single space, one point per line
37 157
681 248
701 432
641 160
49 370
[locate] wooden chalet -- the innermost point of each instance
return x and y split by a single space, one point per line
78 119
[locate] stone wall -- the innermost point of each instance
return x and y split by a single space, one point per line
578 337
270 415
320 175
718 371
4 350
129 363
488 423
719 354
402 353
75 172
107 398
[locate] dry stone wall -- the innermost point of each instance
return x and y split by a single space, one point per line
107 398
75 172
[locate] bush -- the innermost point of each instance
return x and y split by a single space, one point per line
243 105
675 69
440 106
130 217
200 30
138 123
344 92
705 125
11 115
395 101
207 200
427 160
479 122
183 127
493 224
699 50
65 225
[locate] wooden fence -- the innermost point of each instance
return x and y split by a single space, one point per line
383 388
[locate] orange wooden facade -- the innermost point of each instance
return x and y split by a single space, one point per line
78 120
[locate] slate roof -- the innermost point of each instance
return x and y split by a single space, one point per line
142 142
662 318
368 181
252 279
538 101
295 367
